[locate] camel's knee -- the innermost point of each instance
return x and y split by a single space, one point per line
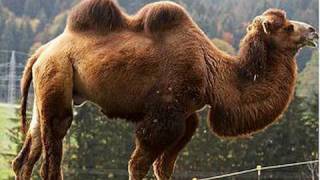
18 162
54 128
136 169
62 127
56 122
23 164
140 161
163 168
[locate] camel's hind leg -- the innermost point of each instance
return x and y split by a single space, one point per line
164 165
31 150
53 86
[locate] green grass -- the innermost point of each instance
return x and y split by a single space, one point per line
6 113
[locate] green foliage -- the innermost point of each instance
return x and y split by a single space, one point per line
31 7
16 30
308 82
223 45
54 29
12 141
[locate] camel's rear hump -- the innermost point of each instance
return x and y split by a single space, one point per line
162 16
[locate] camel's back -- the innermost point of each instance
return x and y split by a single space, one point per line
104 16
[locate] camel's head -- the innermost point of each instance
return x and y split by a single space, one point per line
282 33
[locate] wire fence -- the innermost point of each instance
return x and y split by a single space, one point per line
12 63
259 170
184 175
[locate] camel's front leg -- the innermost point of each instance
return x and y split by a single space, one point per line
154 134
163 167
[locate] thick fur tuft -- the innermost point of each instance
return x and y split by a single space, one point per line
96 15
275 12
163 16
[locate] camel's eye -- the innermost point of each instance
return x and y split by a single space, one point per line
289 28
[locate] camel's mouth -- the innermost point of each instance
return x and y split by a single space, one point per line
312 40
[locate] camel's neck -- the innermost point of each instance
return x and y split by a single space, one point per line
250 90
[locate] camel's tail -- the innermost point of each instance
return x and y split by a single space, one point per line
25 85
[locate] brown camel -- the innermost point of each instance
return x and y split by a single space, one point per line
156 69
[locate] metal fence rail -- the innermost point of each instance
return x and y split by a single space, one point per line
259 169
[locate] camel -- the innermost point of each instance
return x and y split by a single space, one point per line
156 69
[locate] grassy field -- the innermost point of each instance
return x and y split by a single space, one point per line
6 112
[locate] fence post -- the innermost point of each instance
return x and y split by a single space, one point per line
259 171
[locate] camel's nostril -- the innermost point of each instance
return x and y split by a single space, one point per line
311 29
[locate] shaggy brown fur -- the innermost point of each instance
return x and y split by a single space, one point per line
98 16
156 69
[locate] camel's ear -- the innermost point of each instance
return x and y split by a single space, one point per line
266 25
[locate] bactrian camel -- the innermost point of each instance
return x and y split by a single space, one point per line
156 69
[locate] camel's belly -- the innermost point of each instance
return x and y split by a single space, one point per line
113 111
118 94
114 106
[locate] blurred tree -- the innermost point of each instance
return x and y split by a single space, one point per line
32 8
223 45
15 6
100 148
308 82
25 32
8 38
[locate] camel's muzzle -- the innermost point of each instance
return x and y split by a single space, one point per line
312 39
309 35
